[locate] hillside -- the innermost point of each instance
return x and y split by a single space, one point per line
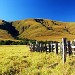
39 29
4 32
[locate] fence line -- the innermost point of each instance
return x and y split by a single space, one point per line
65 47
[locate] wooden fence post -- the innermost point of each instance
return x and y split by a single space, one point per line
56 44
41 47
33 47
45 48
36 42
69 48
61 48
30 45
73 51
64 44
49 47
38 47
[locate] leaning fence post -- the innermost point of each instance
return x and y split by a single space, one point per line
64 49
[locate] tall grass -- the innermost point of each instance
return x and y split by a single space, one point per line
18 60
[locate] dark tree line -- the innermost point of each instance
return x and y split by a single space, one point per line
22 41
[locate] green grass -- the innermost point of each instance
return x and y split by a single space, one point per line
18 60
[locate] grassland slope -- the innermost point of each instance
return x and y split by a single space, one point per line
38 29
44 29
4 34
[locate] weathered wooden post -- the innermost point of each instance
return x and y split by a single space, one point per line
33 47
45 48
41 47
36 42
73 51
49 47
52 46
56 47
61 47
64 46
30 45
36 46
29 42
69 48
74 42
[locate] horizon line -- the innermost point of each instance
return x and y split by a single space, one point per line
36 18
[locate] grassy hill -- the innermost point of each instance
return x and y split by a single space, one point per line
4 34
38 29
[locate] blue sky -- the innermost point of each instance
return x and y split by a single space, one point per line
60 10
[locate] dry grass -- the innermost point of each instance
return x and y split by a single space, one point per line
41 29
45 29
4 35
18 60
